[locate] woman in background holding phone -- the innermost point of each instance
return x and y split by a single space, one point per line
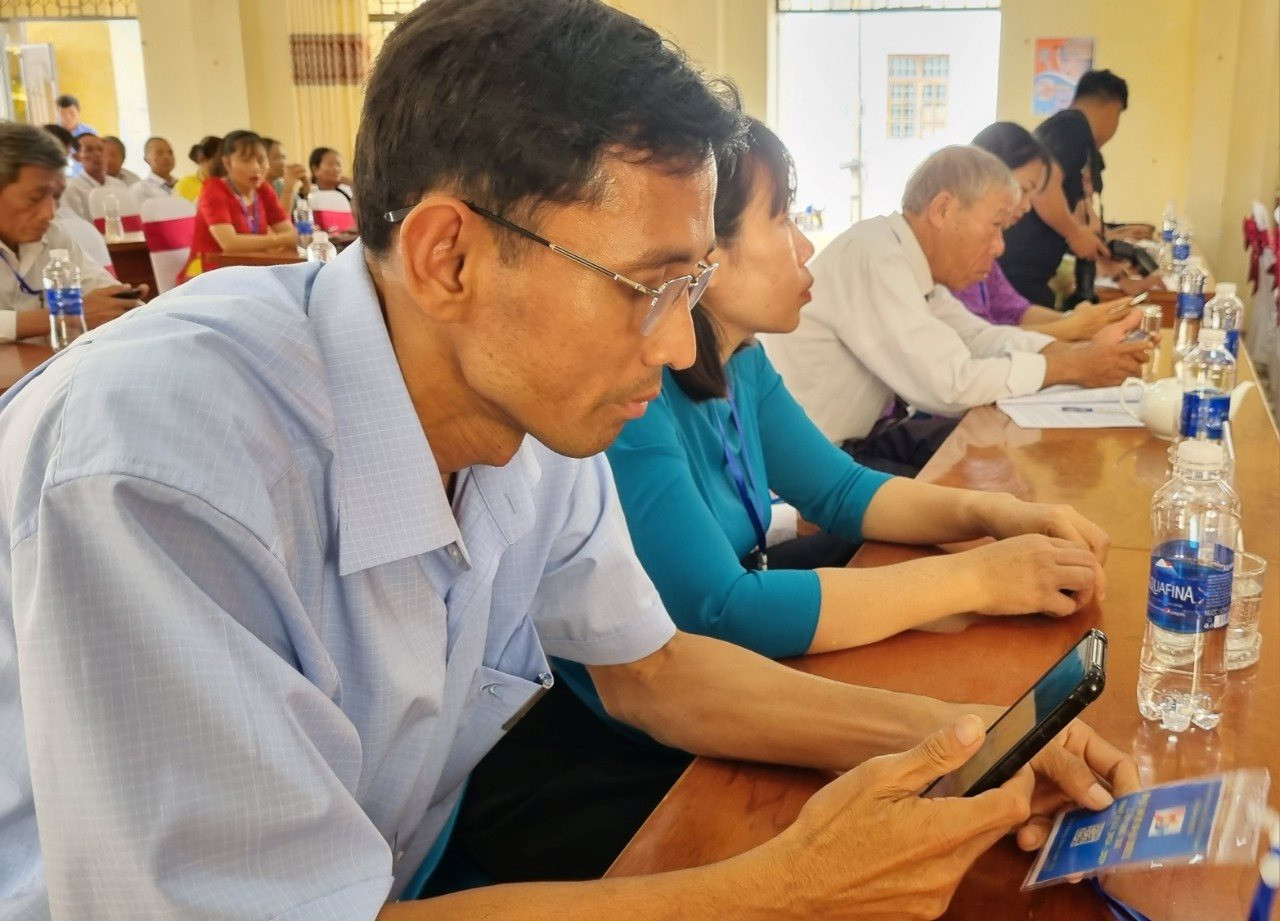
994 298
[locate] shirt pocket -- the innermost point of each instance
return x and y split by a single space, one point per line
496 701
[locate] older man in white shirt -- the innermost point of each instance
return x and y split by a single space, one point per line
883 329
90 153
159 182
31 180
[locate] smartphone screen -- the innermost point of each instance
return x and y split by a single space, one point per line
1055 689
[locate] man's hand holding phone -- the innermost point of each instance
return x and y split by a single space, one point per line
104 304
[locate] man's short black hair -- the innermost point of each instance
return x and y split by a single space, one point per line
66 100
65 138
512 104
75 140
1105 86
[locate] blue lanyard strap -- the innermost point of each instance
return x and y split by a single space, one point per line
739 465
982 289
22 282
1119 910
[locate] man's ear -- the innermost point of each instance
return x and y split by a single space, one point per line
942 210
436 241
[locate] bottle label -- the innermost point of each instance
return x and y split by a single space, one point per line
64 301
1167 235
1233 342
305 228
1182 251
1204 412
1186 594
1190 306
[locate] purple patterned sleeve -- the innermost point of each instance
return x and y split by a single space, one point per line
1005 306
977 297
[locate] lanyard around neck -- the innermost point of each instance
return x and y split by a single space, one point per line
739 464
250 210
22 282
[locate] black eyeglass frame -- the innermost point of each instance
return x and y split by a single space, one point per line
661 298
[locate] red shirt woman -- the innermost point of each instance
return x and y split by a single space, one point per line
238 211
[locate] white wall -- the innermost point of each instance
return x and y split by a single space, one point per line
131 91
832 64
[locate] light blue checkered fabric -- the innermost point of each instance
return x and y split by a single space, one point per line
248 650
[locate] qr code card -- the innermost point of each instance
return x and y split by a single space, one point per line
1171 823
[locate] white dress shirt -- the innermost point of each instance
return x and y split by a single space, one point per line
128 177
153 187
78 188
29 263
879 325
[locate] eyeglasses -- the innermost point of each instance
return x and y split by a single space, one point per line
661 298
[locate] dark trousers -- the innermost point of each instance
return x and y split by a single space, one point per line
902 448
561 795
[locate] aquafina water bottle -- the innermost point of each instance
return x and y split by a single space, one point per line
1195 518
63 297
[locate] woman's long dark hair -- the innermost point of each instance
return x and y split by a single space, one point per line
1015 145
763 158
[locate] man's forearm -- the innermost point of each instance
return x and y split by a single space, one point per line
1061 363
31 323
713 698
751 886
1051 206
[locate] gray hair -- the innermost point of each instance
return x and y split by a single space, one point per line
966 172
26 145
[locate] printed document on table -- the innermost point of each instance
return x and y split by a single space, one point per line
1069 407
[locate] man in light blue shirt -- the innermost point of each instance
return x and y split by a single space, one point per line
287 550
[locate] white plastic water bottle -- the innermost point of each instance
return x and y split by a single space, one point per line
321 250
1168 228
1195 518
63 297
1207 374
1226 312
113 229
1181 244
304 223
1190 310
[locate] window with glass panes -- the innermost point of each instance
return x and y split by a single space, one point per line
917 94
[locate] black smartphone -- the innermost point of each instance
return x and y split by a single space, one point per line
1029 725
129 294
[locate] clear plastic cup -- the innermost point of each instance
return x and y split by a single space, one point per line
1244 640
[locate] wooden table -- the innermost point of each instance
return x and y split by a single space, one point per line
719 808
213 261
16 359
132 262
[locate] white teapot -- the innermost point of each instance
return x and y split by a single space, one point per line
1161 401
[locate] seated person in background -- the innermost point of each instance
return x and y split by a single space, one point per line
694 475
1074 137
883 325
31 179
113 148
238 211
288 179
65 138
205 156
89 151
326 171
993 298
160 182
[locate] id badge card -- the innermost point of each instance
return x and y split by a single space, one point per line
1164 825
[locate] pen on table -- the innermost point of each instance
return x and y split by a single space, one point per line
1077 409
